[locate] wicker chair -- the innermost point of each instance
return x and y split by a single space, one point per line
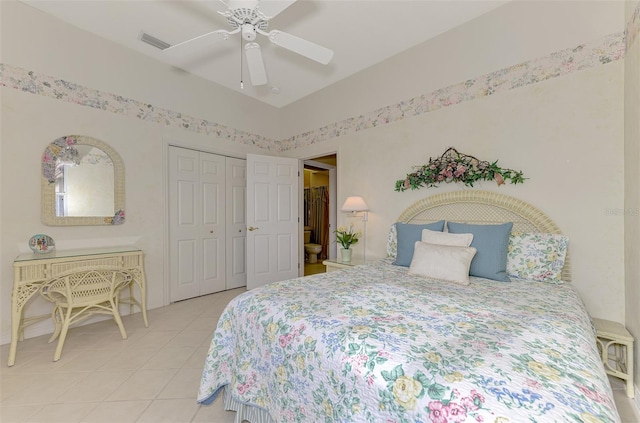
80 295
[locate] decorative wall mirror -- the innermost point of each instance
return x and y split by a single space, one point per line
82 183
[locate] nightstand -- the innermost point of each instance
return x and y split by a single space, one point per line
615 345
337 264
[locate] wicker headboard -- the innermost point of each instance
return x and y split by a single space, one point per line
483 207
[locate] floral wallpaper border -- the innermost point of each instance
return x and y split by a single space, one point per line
48 86
560 63
584 56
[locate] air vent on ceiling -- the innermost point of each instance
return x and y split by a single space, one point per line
151 40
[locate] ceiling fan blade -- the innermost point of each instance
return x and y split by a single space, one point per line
204 40
303 47
272 8
255 64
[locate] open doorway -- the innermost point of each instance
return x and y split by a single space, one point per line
319 212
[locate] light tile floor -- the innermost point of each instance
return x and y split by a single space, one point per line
153 376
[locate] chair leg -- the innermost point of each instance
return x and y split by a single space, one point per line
116 317
63 334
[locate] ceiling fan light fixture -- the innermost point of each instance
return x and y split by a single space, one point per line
248 32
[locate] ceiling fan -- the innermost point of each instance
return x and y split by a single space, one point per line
251 18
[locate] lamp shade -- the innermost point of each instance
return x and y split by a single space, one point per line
354 204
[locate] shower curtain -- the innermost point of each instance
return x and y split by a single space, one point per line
316 206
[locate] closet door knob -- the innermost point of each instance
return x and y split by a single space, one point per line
251 228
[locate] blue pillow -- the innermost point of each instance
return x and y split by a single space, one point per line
492 243
408 234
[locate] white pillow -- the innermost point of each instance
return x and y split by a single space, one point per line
446 238
442 262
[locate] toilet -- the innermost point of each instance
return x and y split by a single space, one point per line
312 250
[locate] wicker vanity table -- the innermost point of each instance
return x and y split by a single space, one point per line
31 271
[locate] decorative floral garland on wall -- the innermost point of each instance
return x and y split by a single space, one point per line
453 166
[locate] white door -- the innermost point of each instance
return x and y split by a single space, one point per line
236 223
272 219
197 227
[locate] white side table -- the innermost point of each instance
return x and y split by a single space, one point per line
615 345
337 264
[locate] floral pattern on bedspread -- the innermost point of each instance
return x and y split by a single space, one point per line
373 344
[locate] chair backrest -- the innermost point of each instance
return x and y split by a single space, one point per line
87 287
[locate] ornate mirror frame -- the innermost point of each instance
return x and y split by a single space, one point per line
48 202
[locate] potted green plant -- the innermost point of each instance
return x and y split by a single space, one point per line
346 237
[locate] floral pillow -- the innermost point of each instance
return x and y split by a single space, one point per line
537 256
392 242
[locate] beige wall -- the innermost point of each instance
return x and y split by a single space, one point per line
632 176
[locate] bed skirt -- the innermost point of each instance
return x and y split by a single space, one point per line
243 411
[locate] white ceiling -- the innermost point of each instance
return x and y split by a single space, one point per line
360 32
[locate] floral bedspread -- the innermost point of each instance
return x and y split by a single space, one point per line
373 344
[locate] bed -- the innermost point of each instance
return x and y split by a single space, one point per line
382 342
